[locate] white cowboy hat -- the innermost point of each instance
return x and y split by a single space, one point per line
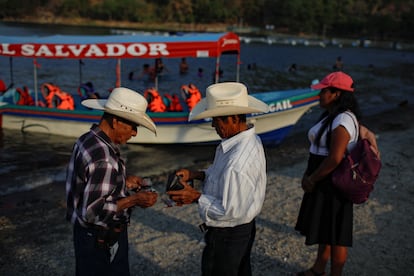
125 103
226 98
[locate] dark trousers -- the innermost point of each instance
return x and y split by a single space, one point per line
227 251
94 260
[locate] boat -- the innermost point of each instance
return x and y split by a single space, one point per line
286 107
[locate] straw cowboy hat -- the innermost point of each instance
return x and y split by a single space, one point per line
227 98
125 103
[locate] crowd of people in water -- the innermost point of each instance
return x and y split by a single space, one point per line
55 97
52 96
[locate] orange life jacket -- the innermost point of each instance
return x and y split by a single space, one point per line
56 98
155 102
174 104
192 95
24 96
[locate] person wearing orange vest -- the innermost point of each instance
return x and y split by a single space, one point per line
191 95
155 102
174 104
56 98
24 96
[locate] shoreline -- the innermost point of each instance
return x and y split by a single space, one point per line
166 241
247 34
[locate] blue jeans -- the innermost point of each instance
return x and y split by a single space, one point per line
227 251
94 260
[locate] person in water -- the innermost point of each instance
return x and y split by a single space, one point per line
159 66
183 66
147 71
339 65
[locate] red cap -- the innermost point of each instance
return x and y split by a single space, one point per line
338 80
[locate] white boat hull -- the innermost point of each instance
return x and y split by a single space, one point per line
172 128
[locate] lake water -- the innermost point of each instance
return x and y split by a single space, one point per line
68 73
31 160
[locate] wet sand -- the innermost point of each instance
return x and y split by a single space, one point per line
36 240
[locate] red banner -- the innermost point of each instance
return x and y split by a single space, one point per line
186 48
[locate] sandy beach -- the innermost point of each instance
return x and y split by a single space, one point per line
35 239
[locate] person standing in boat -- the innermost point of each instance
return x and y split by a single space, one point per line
24 96
155 101
173 102
191 95
99 200
234 185
56 98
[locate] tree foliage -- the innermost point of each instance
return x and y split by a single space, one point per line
382 19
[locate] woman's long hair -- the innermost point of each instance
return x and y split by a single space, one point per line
345 102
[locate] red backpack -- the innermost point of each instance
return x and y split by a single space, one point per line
356 174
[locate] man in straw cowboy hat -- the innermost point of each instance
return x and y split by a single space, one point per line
98 201
234 185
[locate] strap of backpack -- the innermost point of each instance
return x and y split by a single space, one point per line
356 124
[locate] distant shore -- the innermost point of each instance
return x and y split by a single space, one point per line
167 27
247 34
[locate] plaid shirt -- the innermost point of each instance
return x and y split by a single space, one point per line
95 181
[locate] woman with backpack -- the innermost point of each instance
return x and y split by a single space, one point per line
326 215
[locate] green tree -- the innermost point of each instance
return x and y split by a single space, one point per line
383 19
209 11
252 12
180 11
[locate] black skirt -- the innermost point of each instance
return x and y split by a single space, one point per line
325 216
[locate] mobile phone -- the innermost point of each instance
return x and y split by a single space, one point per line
173 183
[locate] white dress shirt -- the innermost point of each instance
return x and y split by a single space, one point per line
235 184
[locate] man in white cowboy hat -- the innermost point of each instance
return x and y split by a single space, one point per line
234 185
98 201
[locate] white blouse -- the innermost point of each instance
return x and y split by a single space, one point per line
346 119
